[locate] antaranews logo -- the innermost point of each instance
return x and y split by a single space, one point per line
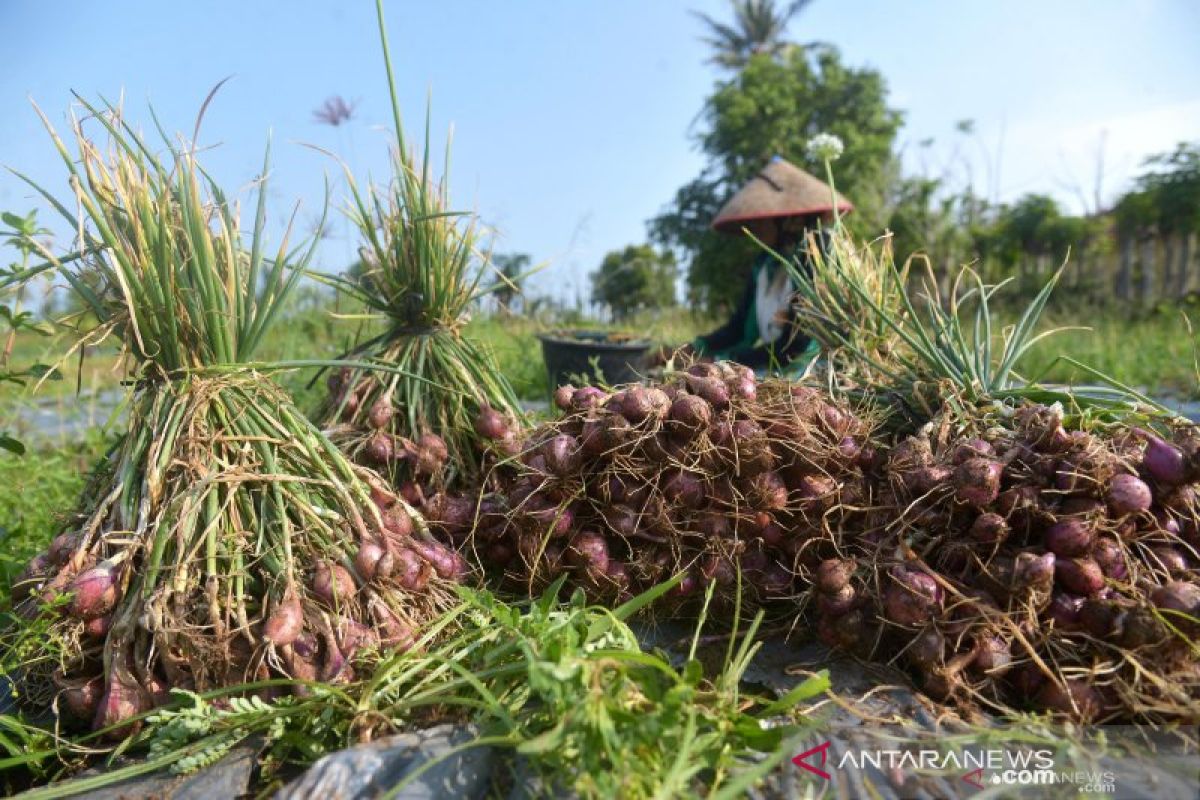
976 767
821 750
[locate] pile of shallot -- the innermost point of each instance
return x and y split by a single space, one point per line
1011 562
217 563
365 419
712 473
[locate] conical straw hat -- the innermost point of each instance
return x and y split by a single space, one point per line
781 189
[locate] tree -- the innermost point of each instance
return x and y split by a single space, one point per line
757 28
774 106
922 221
1173 187
638 277
511 266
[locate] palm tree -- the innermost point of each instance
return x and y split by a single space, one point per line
757 27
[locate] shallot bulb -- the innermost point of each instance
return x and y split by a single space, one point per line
62 548
989 528
563 395
849 449
1070 537
82 698
332 583
352 636
491 424
972 448
868 458
992 656
1164 461
337 379
834 574
769 491
430 454
816 492
1108 553
123 699
1128 494
98 627
928 649
622 520
1178 596
380 413
562 455
397 524
1033 570
592 439
658 403
446 563
285 623
393 632
912 596
977 481
587 397
29 577
300 657
380 449
771 534
366 560
690 413
588 551
1076 699
637 404
1167 559
412 493
839 603
452 513
382 497
411 571
743 383
774 583
94 593
913 452
1079 575
1064 610
685 489
711 390
926 479
499 554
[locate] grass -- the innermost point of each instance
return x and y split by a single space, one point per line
36 490
1158 352
566 686
315 333
1155 352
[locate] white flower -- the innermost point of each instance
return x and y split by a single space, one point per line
825 147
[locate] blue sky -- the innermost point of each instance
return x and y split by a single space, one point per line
573 120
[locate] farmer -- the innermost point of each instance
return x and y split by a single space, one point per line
779 206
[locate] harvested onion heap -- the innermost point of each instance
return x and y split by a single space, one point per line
362 419
420 276
1019 564
223 539
711 472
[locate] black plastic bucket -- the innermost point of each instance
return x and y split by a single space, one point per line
596 355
